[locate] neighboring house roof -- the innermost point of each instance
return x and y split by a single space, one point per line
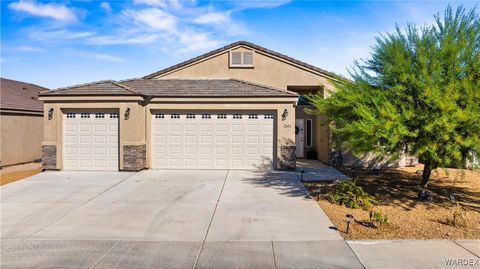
174 88
244 43
22 96
104 87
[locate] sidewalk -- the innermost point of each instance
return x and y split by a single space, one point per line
417 253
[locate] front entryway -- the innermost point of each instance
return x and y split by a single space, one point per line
212 140
299 138
90 140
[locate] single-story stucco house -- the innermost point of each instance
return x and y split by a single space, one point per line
236 107
21 120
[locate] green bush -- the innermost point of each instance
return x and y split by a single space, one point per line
378 217
351 195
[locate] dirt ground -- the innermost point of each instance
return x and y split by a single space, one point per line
397 190
16 172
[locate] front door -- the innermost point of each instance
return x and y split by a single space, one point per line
299 138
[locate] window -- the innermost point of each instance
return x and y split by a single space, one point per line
252 116
206 116
241 58
114 116
159 115
71 115
99 115
84 115
237 116
268 116
175 116
221 116
190 116
309 132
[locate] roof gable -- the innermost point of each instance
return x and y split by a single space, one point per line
249 45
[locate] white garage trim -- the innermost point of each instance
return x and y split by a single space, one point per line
91 140
212 139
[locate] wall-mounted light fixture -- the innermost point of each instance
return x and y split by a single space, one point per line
285 114
50 113
127 113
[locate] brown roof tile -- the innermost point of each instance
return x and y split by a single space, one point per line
173 88
17 95
203 88
104 87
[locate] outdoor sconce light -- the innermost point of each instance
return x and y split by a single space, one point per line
127 113
349 218
285 114
50 113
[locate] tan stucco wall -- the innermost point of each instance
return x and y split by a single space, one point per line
267 70
21 138
132 130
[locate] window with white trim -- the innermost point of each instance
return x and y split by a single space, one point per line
221 116
99 115
309 133
71 115
252 116
268 116
85 115
241 58
175 116
237 116
159 115
206 116
113 115
190 116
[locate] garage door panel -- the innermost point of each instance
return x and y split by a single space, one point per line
205 140
90 141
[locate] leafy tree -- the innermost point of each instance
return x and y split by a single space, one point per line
419 92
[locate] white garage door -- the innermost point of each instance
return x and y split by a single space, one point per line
91 140
212 140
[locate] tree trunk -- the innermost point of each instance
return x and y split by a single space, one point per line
427 171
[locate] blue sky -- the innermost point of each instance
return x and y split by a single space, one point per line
61 43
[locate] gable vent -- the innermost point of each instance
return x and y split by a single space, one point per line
247 58
236 58
241 59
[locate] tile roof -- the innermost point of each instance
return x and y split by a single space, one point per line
103 87
203 88
254 46
174 88
17 95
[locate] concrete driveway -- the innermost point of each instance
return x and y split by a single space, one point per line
176 219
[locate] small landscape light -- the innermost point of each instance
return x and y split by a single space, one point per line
349 218
50 113
127 113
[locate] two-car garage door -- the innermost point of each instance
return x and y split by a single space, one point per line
212 140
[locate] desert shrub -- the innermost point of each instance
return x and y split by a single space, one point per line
378 217
351 195
458 217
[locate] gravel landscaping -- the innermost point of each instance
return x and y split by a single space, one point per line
396 191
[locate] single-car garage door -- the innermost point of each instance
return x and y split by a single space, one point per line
91 140
212 140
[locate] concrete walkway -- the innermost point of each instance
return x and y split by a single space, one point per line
314 170
189 219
